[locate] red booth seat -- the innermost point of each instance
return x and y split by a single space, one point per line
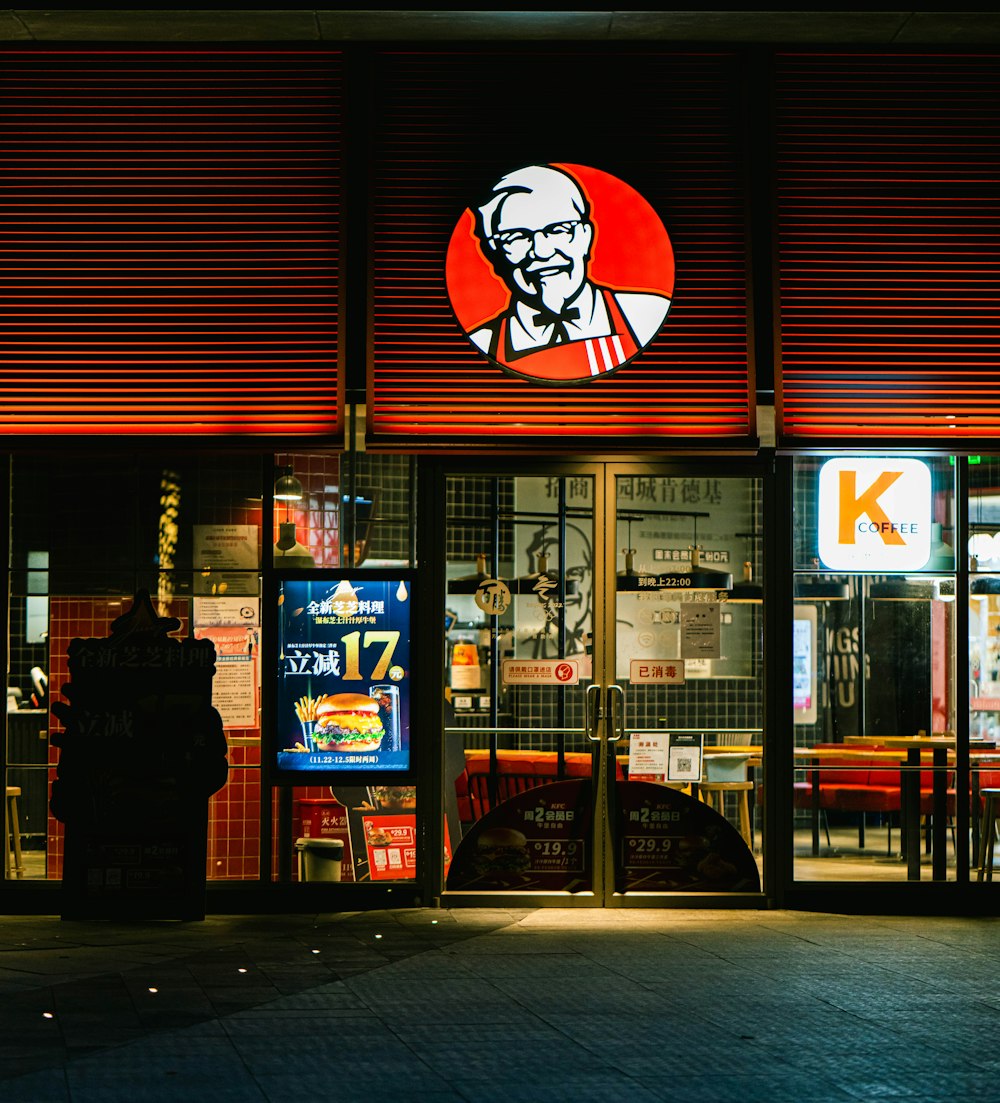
517 772
856 783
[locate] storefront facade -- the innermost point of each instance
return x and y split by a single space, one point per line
623 455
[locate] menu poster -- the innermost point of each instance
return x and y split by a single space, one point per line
647 756
226 559
670 842
234 690
537 840
344 675
391 843
700 631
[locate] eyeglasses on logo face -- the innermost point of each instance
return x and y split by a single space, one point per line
516 243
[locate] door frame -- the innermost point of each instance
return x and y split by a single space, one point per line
431 773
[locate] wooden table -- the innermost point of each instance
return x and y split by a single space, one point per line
939 747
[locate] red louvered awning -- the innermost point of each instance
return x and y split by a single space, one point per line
451 123
170 259
888 176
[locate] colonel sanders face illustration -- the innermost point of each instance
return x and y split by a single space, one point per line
560 321
538 233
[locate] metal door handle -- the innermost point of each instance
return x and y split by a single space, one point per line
592 713
616 731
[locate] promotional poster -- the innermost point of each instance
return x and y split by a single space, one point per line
344 675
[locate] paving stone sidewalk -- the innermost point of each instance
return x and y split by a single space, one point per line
476 1006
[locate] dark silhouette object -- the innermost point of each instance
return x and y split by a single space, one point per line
142 751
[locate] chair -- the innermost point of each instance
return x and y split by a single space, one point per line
727 773
988 834
12 832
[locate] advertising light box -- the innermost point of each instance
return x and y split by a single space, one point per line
344 675
874 514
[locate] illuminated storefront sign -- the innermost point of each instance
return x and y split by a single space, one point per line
561 273
874 514
343 675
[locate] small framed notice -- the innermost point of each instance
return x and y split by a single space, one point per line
684 751
647 756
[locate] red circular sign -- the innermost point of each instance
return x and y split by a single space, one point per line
561 274
563 672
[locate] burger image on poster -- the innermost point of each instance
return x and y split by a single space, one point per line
348 722
501 850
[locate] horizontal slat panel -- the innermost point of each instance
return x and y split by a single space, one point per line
449 124
168 248
888 202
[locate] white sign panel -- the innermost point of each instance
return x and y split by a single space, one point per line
874 514
684 757
700 632
657 671
647 755
225 559
216 612
540 672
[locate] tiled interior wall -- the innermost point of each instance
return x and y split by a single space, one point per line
734 703
233 812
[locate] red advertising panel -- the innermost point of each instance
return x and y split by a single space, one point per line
670 842
540 839
391 843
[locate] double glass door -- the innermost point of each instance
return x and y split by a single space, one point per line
604 682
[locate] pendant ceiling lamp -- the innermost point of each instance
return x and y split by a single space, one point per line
287 487
906 589
470 583
698 577
820 589
747 591
543 582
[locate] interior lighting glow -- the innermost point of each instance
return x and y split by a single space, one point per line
982 546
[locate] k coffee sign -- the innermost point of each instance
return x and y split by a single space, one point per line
560 273
874 514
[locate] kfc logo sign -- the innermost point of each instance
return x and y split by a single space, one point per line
561 273
874 515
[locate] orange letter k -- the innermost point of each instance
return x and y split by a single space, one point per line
852 507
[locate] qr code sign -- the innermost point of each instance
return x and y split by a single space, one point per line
684 765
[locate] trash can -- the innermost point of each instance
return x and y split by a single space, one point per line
320 859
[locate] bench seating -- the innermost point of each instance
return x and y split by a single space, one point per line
855 783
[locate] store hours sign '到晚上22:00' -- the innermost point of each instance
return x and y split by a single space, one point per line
343 675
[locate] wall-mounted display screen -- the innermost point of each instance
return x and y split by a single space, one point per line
344 675
804 664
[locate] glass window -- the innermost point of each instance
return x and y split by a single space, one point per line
875 694
87 534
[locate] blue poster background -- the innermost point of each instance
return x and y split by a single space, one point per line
343 635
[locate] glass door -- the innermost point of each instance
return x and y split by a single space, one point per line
588 756
524 724
685 655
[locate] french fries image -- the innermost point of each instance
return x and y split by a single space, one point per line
305 707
